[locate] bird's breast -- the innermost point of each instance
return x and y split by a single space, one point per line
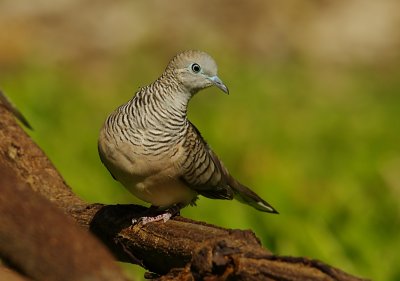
162 190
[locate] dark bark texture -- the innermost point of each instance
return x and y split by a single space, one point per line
40 237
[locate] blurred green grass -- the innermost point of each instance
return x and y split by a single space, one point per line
321 144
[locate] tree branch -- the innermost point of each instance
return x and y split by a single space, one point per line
40 240
180 249
11 275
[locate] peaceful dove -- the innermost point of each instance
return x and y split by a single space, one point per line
149 145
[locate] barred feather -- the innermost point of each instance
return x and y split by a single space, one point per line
150 146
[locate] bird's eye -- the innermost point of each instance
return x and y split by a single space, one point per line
196 68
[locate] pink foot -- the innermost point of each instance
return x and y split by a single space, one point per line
145 220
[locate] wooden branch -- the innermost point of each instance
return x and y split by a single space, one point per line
187 249
42 242
11 275
180 249
37 238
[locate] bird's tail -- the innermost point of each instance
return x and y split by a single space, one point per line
249 197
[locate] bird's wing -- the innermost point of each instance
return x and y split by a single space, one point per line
202 170
205 173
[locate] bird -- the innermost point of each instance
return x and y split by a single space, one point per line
150 147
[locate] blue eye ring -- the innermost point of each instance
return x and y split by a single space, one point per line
196 68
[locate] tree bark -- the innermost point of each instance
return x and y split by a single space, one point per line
11 275
40 240
180 249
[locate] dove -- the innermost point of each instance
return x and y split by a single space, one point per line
150 147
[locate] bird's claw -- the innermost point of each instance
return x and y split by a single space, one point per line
145 220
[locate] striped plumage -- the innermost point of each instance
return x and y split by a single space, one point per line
150 146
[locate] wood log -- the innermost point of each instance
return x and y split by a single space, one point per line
11 275
42 242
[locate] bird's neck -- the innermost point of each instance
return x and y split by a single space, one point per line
161 105
173 96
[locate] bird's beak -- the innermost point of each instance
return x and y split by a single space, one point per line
218 82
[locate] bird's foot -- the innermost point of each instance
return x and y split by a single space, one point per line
164 216
145 220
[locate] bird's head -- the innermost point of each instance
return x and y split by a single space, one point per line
196 70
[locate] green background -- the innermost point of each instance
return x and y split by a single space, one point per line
315 132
